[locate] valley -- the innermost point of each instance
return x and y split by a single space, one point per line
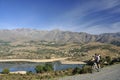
52 50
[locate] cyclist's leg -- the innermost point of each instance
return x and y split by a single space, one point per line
99 65
96 67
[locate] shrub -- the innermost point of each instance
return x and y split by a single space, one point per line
48 67
39 68
69 71
44 68
86 69
108 59
5 71
29 72
76 71
118 59
115 60
56 73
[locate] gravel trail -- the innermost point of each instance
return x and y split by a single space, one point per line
107 73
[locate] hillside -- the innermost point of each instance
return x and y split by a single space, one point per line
47 50
35 44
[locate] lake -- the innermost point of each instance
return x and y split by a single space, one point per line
30 66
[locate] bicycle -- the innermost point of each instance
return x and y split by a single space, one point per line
95 67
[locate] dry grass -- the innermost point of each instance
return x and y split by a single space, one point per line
30 50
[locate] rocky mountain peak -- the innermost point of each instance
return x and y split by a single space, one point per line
56 35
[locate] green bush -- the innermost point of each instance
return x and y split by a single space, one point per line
86 69
108 59
29 72
44 68
5 71
76 71
115 60
48 67
39 68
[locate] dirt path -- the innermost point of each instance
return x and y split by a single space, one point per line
107 73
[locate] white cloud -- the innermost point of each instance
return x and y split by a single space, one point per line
108 28
69 19
75 19
111 3
116 26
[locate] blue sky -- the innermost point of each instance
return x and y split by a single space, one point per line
91 16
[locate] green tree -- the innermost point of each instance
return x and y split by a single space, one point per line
39 68
48 67
44 68
5 71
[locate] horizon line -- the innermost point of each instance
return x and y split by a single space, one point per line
56 30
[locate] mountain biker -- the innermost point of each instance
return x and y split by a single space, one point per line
97 60
93 63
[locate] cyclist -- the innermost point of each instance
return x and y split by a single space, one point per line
97 60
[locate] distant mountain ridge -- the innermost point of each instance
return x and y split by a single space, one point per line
57 36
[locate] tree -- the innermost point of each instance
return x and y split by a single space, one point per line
48 67
39 68
5 71
44 68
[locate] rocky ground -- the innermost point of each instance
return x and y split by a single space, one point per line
106 73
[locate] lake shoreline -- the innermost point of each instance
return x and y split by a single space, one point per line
32 60
62 60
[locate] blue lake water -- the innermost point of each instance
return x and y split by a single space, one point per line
28 66
59 66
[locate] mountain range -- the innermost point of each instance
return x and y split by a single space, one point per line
57 36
